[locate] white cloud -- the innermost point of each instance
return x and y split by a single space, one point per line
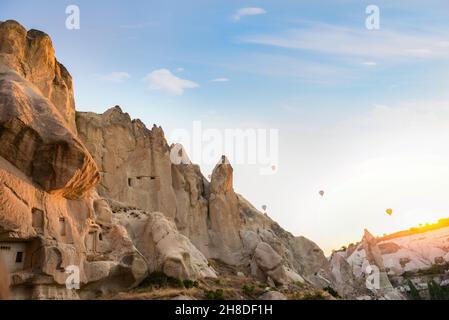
242 12
357 42
180 69
369 63
443 44
116 77
220 80
164 80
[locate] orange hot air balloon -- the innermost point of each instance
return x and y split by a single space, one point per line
321 193
389 211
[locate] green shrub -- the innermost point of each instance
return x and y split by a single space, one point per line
248 290
159 280
332 292
214 295
414 293
263 285
437 292
188 284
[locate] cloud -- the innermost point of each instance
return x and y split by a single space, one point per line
180 69
164 80
443 44
357 42
369 63
220 80
116 77
242 12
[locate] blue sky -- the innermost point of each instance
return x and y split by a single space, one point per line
347 101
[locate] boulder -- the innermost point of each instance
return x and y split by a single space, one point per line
269 262
272 295
163 247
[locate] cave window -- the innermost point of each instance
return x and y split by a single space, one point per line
129 182
19 257
38 220
100 236
62 226
5 248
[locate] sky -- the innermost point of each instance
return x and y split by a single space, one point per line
360 113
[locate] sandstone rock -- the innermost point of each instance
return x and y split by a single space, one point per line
272 295
364 261
219 222
53 233
31 55
36 136
164 248
182 297
147 214
4 281
269 262
134 162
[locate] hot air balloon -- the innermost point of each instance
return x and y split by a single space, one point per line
321 193
264 207
389 211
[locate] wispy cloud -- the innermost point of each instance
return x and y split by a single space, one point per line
115 77
369 63
220 80
180 69
164 80
357 42
242 12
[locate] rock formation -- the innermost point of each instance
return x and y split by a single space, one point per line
97 197
136 169
4 281
364 262
399 258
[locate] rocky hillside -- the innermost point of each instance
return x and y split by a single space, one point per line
99 192
406 260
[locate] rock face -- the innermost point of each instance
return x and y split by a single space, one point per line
31 55
163 247
4 281
37 115
137 169
418 257
362 267
94 201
